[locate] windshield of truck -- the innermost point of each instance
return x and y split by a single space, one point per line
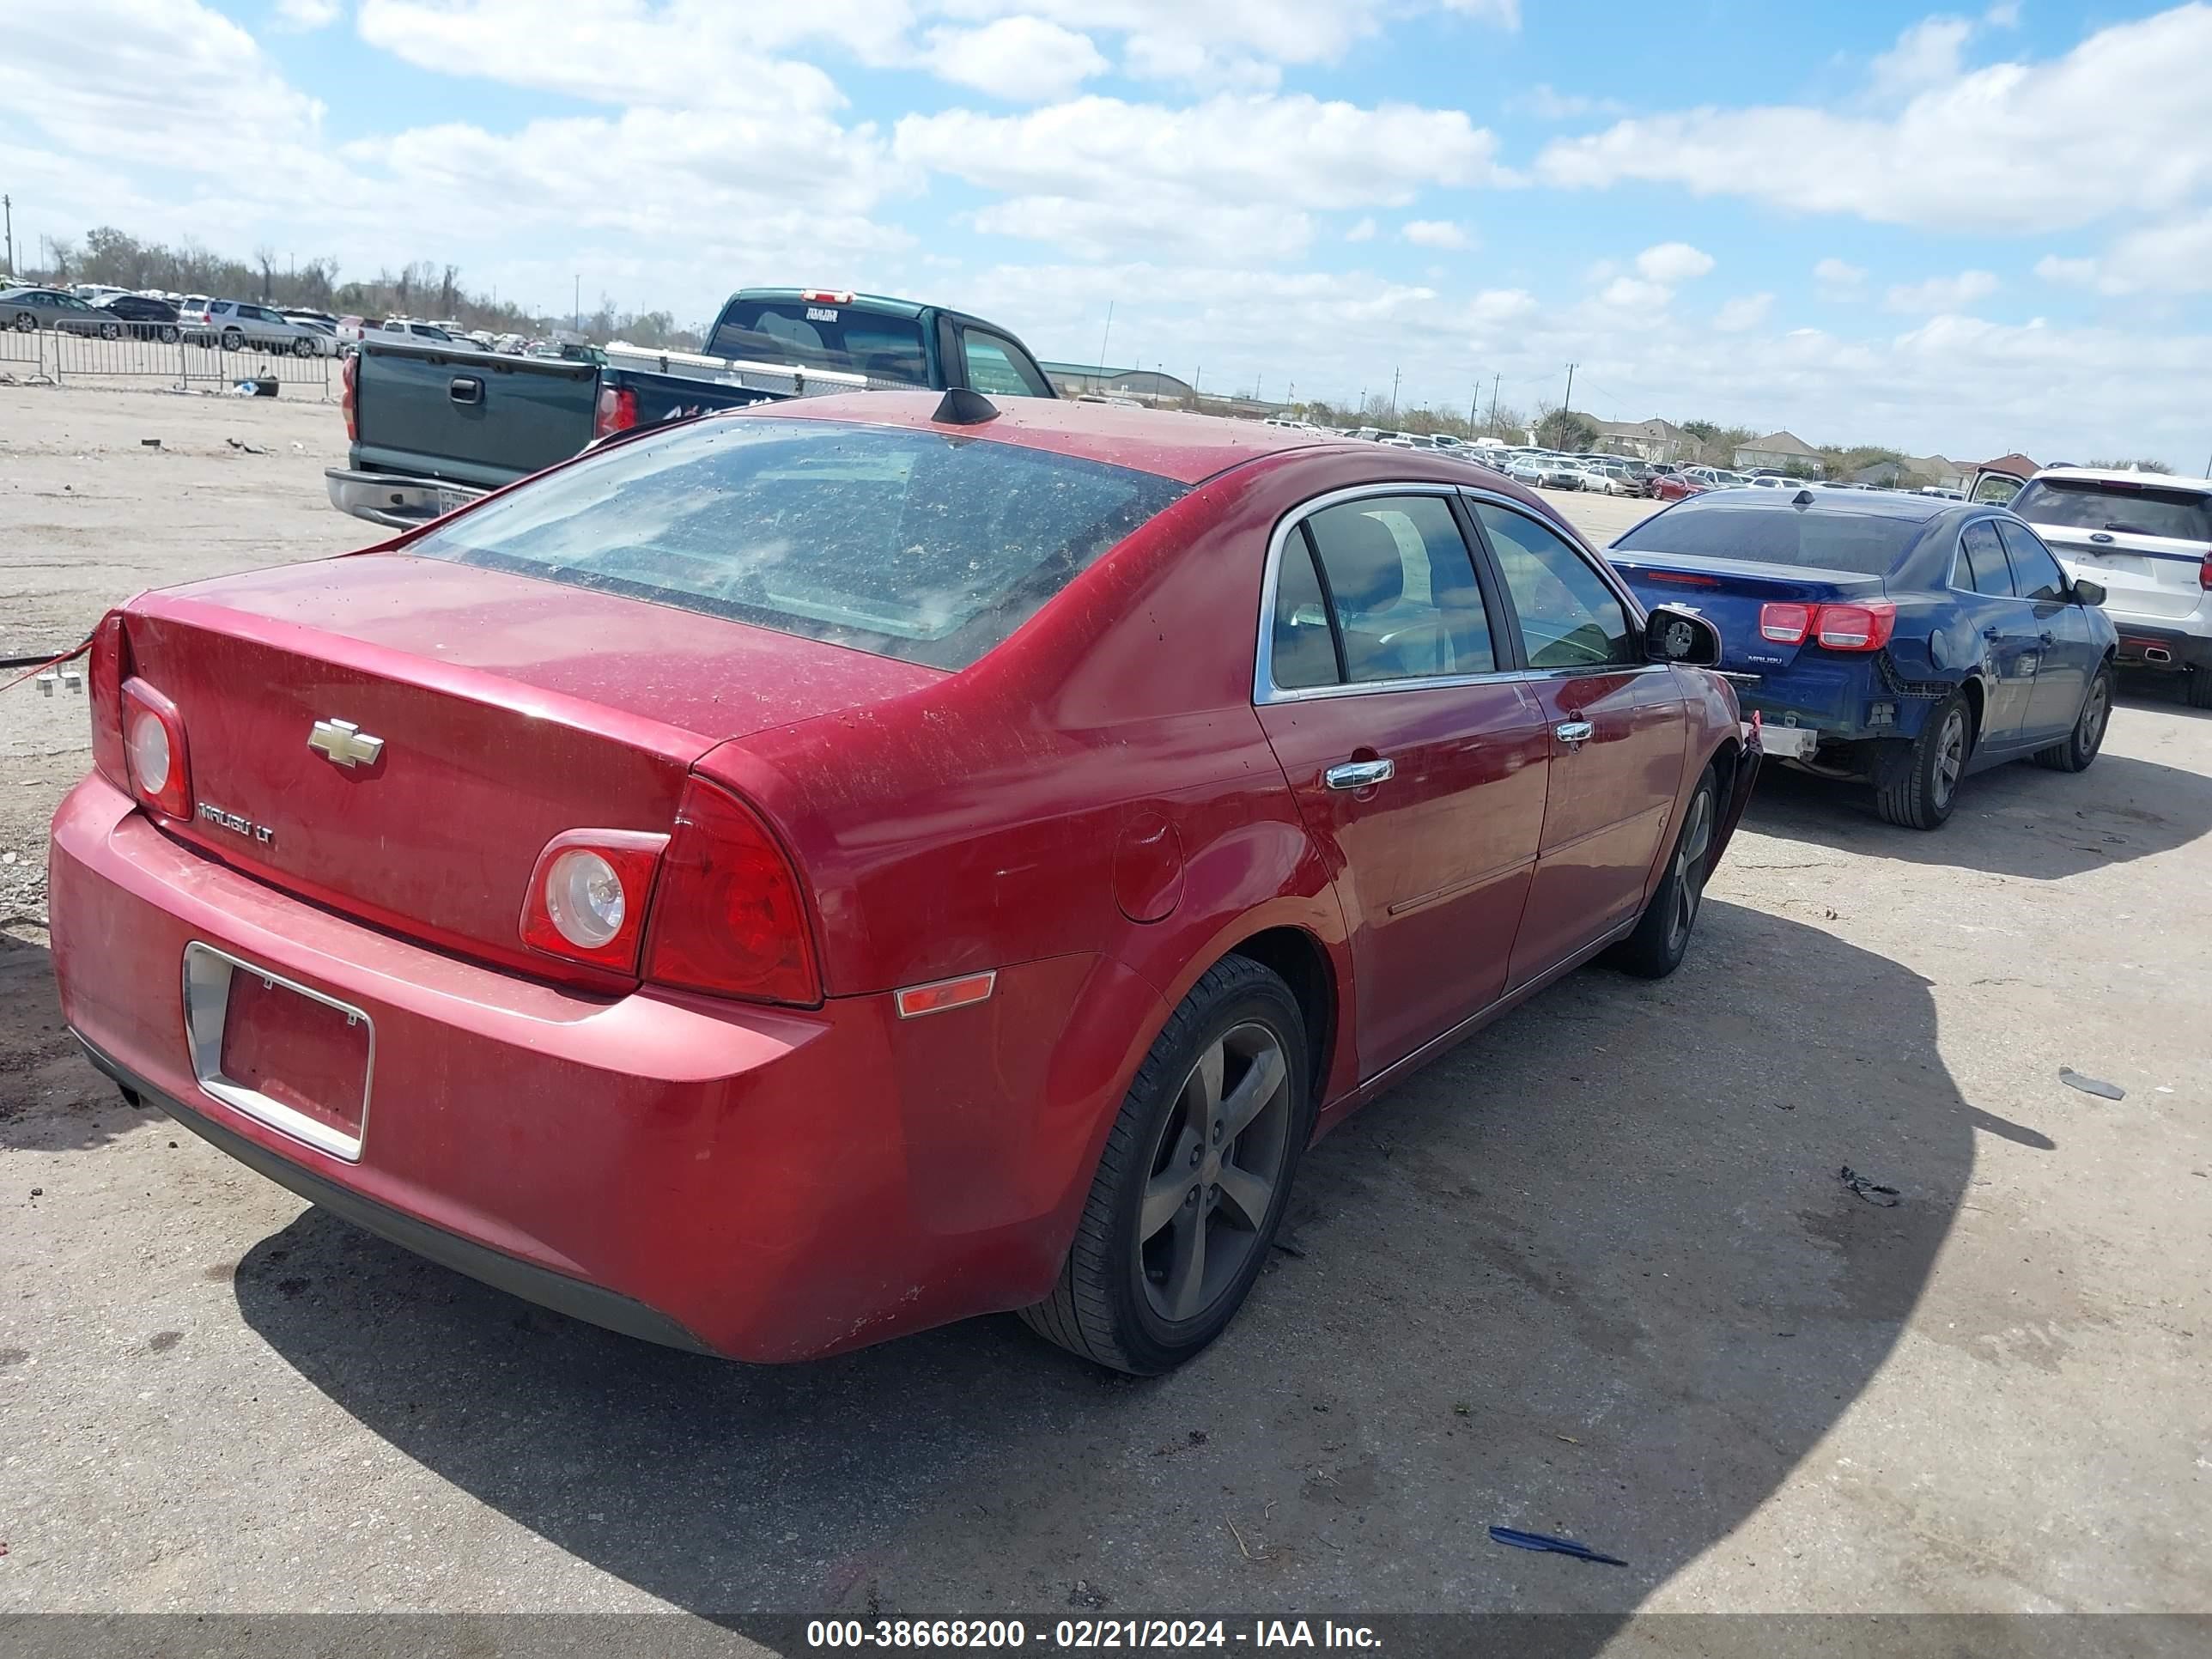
2120 505
851 339
918 546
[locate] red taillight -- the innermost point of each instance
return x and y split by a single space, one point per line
825 296
346 404
729 917
109 668
588 896
1681 579
2205 573
154 750
1865 627
617 412
1785 624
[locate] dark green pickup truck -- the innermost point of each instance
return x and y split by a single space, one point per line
432 427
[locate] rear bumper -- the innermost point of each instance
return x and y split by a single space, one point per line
2151 644
395 499
1836 698
764 1183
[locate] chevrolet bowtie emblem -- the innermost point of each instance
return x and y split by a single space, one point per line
345 744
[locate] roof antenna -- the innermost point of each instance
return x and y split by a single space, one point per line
961 407
1802 498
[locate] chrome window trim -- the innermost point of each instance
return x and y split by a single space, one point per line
1264 688
1265 692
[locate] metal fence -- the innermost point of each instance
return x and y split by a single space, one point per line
146 357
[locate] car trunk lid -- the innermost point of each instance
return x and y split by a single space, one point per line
2141 576
508 710
1731 592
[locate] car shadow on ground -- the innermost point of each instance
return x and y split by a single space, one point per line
2014 820
1595 1272
2163 691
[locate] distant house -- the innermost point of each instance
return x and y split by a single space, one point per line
1939 470
2017 463
1785 451
1886 474
1648 440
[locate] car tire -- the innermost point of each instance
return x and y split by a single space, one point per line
1916 784
302 346
171 335
1143 1302
2196 688
232 339
24 322
2088 737
111 330
1661 938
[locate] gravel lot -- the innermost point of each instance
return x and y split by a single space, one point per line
1594 1273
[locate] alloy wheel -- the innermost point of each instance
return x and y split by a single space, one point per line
1690 869
1950 756
1222 1153
2096 708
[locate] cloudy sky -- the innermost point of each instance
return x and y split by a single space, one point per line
1967 231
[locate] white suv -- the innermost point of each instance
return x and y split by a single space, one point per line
2146 538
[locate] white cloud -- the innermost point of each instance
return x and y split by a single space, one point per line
1362 231
1940 293
1152 170
2171 258
1547 104
1435 232
2003 15
1925 55
1098 230
308 13
1673 262
1022 59
1743 314
1635 293
2115 125
1837 280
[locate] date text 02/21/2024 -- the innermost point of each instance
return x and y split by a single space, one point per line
1086 1634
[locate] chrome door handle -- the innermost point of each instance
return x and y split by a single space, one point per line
1572 732
1359 774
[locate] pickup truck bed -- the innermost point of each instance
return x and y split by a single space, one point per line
433 426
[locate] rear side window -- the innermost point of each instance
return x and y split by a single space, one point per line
2123 507
841 337
994 366
1803 538
917 545
1401 589
2035 573
1982 561
1569 617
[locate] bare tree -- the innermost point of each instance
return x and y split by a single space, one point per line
265 257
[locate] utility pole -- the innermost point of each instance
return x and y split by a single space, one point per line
1494 380
1473 403
1568 407
1107 336
8 205
1393 397
576 305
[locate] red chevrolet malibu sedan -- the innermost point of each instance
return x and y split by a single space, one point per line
804 875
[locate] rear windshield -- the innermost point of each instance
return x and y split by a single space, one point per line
1803 538
916 545
858 342
2125 508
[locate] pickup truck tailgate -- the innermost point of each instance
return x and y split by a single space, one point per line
471 416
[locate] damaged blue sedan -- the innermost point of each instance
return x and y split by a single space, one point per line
1905 641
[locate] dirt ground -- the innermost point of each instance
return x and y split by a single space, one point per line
1592 1273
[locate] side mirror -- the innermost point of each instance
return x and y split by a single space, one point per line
2088 593
1674 632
